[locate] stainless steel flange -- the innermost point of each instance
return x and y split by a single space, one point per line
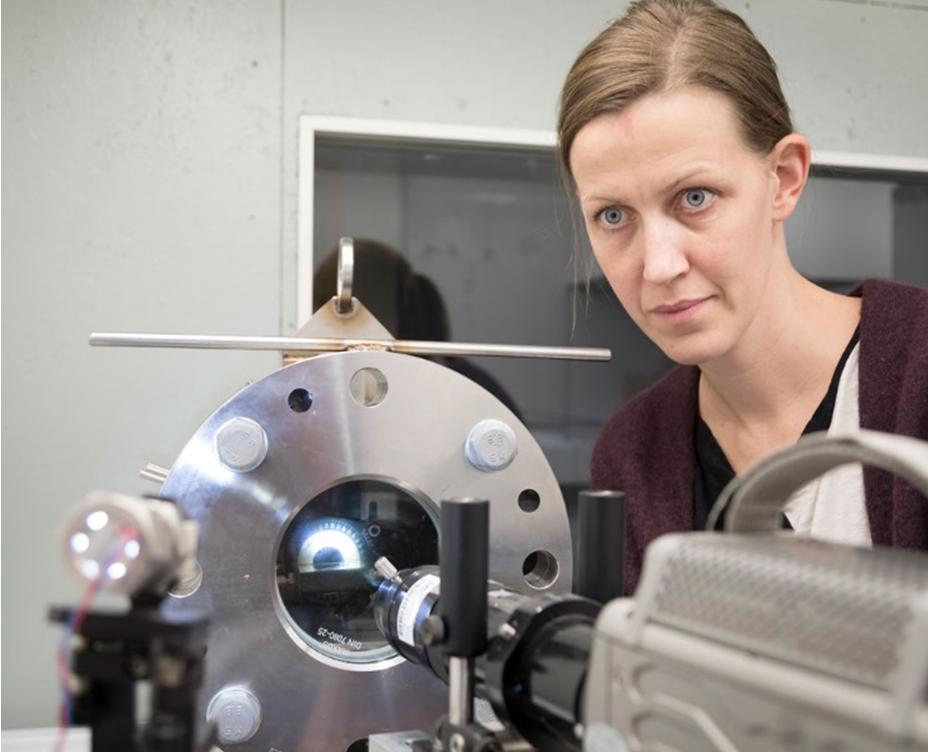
299 483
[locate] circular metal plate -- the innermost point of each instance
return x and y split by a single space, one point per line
407 428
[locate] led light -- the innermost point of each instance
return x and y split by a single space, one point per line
128 544
109 546
326 542
98 520
80 542
329 548
90 569
116 570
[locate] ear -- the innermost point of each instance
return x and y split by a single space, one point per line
790 161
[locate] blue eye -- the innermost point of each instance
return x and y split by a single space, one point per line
612 216
696 198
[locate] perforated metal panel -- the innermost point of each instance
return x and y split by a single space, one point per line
839 609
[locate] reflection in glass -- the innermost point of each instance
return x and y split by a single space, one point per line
325 564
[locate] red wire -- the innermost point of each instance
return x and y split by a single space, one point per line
72 628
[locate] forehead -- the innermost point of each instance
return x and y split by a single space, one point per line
660 137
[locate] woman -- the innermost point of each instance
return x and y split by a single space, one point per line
677 139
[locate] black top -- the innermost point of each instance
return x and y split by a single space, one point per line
714 471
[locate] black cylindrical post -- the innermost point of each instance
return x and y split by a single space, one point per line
464 563
599 568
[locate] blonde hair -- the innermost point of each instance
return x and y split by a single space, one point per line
664 45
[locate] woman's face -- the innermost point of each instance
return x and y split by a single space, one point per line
680 214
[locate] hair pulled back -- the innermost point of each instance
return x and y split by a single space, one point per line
665 45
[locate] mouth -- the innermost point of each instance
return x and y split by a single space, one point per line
680 311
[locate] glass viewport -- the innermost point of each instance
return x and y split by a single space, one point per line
325 564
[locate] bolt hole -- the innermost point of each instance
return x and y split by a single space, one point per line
368 387
529 500
300 400
540 569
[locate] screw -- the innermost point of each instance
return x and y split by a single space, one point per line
241 444
491 446
236 713
385 568
506 631
432 631
457 743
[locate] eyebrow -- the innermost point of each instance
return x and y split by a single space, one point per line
695 175
688 177
598 199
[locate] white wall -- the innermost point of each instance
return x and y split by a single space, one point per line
142 177
150 175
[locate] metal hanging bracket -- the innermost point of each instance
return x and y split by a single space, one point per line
345 324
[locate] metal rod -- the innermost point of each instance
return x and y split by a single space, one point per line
154 472
332 344
460 690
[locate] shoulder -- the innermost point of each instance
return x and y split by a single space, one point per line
893 376
893 320
887 303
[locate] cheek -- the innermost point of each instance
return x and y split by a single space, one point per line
622 274
730 250
722 257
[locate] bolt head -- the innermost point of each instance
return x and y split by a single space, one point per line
236 713
241 444
491 446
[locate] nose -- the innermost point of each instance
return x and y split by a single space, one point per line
663 251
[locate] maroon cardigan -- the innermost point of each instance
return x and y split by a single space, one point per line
647 448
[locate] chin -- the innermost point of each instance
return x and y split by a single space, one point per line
694 350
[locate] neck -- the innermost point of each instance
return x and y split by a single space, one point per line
762 394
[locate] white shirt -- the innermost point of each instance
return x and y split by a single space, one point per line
832 507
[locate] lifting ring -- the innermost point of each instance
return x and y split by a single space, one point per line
345 275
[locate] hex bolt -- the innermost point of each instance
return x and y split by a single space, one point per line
241 444
236 713
491 446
